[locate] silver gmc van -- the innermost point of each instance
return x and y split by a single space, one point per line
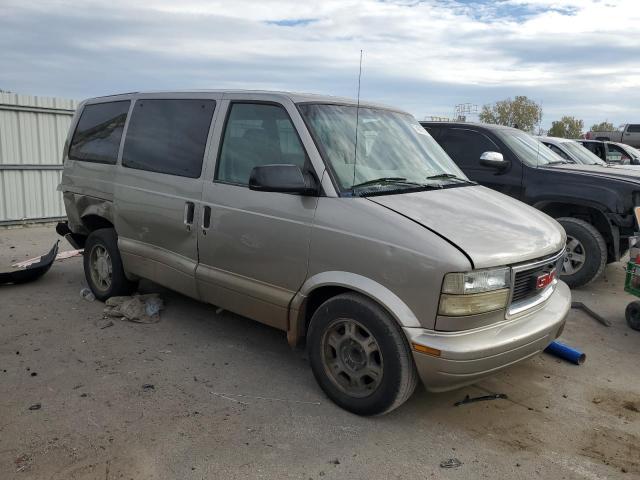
345 226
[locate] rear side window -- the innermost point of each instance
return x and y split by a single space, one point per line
168 136
466 146
633 129
97 136
257 134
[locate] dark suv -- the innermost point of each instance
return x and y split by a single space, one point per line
593 203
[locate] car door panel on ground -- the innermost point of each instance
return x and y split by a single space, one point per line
465 146
252 241
159 188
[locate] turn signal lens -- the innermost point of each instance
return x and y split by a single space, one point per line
426 350
473 304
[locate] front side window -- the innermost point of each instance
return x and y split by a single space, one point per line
466 147
97 136
633 128
391 147
256 135
168 136
617 154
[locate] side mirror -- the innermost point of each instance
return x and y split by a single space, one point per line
281 178
493 160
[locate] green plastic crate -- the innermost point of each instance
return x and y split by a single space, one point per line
633 271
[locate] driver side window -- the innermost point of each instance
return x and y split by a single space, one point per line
466 146
255 135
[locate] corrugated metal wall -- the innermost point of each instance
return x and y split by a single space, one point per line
32 135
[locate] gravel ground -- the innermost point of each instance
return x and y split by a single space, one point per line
208 394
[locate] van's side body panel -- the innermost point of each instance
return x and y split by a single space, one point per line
360 238
87 187
254 254
150 207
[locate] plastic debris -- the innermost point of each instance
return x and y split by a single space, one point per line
450 463
566 352
87 295
38 267
35 406
138 308
59 256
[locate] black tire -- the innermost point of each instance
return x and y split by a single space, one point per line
99 241
593 247
398 377
632 314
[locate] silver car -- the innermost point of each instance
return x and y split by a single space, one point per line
345 226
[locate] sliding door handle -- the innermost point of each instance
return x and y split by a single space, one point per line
189 210
206 219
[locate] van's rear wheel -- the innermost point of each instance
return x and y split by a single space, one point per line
360 356
103 265
586 254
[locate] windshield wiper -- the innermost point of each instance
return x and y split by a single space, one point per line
448 176
558 162
392 180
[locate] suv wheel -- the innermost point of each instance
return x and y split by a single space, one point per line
103 265
586 252
360 356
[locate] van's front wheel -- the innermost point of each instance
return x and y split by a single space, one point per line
103 265
360 356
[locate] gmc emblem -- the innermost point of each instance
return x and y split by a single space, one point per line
544 280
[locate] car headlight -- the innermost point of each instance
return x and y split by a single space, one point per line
471 293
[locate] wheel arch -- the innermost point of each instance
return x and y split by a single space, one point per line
591 213
323 286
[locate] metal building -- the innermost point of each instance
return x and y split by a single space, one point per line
32 134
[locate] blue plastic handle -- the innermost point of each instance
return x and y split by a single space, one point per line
566 352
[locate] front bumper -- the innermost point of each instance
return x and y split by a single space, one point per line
470 355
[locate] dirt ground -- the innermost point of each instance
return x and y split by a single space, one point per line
208 394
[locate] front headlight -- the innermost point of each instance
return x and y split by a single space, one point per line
471 293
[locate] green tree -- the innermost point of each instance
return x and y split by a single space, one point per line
604 127
566 127
520 112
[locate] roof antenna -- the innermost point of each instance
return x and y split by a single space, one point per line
355 149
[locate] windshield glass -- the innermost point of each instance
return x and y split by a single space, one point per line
582 154
392 147
528 149
634 151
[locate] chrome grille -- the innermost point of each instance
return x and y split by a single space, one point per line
524 283
524 292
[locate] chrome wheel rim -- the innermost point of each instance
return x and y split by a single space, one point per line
575 256
352 358
101 267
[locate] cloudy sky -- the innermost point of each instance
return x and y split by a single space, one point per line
576 57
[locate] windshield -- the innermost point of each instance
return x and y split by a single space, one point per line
634 151
393 148
530 150
582 154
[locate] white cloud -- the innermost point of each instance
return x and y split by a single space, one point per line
577 56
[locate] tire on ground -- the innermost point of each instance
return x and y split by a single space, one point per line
399 376
595 251
632 314
120 285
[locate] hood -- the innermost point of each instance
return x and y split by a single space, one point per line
618 172
491 228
